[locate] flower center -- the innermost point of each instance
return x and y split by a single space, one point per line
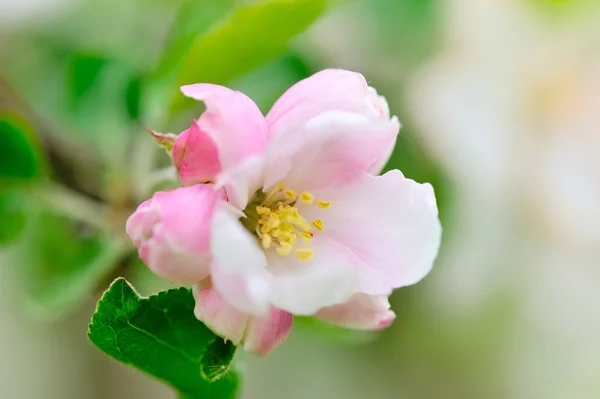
277 221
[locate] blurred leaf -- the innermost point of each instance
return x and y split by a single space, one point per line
194 18
83 73
87 75
252 35
12 215
103 101
64 292
265 84
133 94
69 261
161 336
19 155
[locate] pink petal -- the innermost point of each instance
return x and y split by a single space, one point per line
139 225
389 223
361 312
259 334
222 318
331 146
265 333
231 120
172 232
325 91
195 156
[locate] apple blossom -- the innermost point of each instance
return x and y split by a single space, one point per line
293 220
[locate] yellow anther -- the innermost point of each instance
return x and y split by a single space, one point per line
291 194
306 236
307 198
304 253
280 225
318 224
267 240
263 210
284 249
323 204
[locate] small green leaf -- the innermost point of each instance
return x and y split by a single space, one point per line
161 336
254 34
19 151
165 140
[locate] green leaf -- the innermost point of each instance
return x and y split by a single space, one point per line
193 19
161 336
19 151
254 34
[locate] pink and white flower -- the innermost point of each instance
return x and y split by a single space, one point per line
294 220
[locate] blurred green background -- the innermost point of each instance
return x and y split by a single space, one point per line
500 106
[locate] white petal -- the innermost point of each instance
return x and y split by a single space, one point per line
390 225
239 265
303 287
241 181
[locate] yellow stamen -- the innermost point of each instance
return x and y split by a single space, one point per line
263 210
306 236
323 204
280 225
267 240
318 224
304 253
307 198
291 194
284 249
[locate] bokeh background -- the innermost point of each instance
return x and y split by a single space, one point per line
500 105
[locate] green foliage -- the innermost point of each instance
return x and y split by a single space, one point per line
66 291
251 36
12 215
70 260
194 18
83 73
161 336
20 163
19 153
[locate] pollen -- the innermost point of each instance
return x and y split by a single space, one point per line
278 222
318 224
267 240
285 248
304 253
323 204
291 194
307 198
307 236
